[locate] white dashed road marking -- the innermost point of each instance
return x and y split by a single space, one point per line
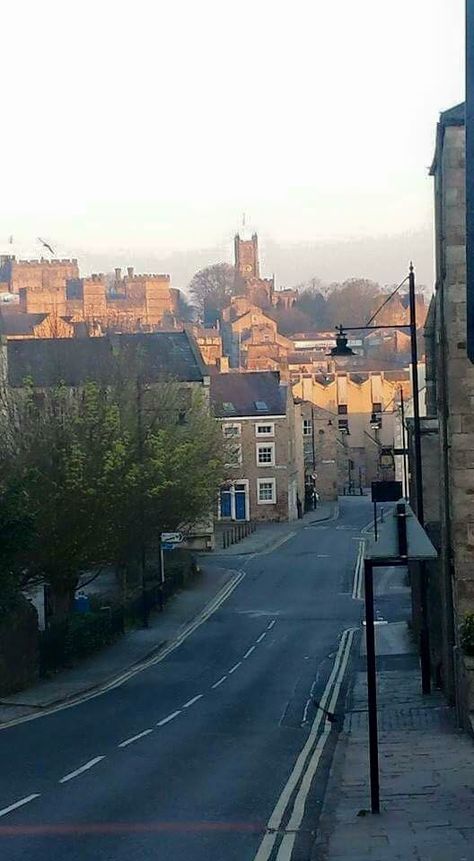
170 717
249 652
235 667
20 803
80 770
134 738
191 702
260 638
216 685
270 626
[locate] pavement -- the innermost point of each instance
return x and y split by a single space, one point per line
267 534
219 747
426 764
136 647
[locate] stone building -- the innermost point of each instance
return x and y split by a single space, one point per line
450 400
133 303
322 450
363 402
39 275
262 424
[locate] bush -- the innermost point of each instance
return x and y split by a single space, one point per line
80 635
466 632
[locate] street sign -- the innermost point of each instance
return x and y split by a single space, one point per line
386 491
172 537
167 545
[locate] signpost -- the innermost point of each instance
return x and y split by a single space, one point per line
168 542
401 539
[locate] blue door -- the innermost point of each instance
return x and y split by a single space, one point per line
239 503
226 510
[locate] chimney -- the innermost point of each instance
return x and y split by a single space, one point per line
223 364
118 274
130 271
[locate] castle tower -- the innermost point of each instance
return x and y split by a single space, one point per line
246 257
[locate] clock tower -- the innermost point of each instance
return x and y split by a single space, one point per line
246 257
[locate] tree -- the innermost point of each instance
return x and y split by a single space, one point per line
212 289
313 304
67 455
352 303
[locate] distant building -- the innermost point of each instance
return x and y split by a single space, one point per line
262 425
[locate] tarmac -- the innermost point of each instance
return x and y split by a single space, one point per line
220 573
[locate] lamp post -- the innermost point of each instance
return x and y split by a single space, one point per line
342 349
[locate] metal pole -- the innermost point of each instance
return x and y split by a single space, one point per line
424 630
416 401
375 521
404 446
371 687
162 576
312 439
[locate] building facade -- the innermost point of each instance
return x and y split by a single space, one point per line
450 400
262 427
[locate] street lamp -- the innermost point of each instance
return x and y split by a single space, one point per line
341 349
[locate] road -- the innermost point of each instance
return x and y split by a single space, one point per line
217 752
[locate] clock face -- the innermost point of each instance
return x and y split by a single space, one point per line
248 268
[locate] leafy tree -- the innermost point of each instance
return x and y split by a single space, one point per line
66 465
212 289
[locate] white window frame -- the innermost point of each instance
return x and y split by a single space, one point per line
235 426
262 445
265 434
262 481
307 423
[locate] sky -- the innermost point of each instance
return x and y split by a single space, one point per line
146 129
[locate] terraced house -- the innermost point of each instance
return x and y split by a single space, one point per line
262 423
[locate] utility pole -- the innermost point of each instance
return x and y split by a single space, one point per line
404 445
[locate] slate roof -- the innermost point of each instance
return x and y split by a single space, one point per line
74 361
244 390
19 323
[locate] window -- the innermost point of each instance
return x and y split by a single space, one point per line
342 409
265 430
343 425
377 408
261 406
266 454
231 430
228 407
266 491
234 454
307 427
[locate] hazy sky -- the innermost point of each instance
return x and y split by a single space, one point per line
153 125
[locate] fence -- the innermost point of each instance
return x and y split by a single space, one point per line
235 533
65 643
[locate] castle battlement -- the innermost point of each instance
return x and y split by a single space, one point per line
44 260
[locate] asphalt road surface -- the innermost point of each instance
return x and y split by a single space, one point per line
217 752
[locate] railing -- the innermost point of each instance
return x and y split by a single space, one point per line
237 532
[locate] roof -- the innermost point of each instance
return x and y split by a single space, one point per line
452 117
251 393
74 361
19 323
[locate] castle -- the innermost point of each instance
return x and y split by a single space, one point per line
70 304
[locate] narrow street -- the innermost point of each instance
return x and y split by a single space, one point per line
217 752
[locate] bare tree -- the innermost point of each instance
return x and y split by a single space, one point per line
213 287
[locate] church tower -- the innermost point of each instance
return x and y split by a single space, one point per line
246 257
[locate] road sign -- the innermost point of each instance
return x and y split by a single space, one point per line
386 491
167 545
172 537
